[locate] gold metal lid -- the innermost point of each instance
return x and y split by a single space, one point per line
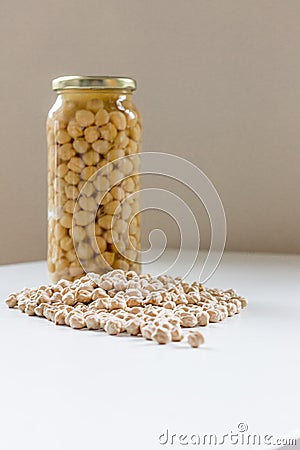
93 82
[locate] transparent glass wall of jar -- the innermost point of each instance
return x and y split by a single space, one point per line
94 139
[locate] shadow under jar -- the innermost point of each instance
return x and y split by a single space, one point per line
94 141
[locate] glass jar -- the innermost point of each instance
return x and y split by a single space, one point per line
94 139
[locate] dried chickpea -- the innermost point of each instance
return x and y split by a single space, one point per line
77 321
161 335
195 338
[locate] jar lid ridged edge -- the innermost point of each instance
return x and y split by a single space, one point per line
93 82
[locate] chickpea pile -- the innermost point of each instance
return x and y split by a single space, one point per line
85 133
156 308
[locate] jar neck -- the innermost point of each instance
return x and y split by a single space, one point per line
70 94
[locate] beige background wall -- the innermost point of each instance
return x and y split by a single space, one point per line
219 84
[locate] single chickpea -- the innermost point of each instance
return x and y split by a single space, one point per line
76 164
130 254
88 203
74 129
111 207
101 146
120 226
81 146
69 206
71 255
62 170
106 198
131 119
91 134
93 322
131 148
66 220
121 140
105 222
84 117
110 236
113 326
109 257
84 251
118 246
77 233
59 231
118 119
126 211
77 321
115 154
121 264
214 315
72 192
101 183
101 244
203 318
94 104
116 177
83 218
61 265
72 178
65 152
88 172
195 338
101 118
62 137
133 327
89 188
188 320
108 132
66 243
118 193
128 185
91 158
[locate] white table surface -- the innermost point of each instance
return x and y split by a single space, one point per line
65 389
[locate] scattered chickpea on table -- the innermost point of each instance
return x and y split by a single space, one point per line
156 308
